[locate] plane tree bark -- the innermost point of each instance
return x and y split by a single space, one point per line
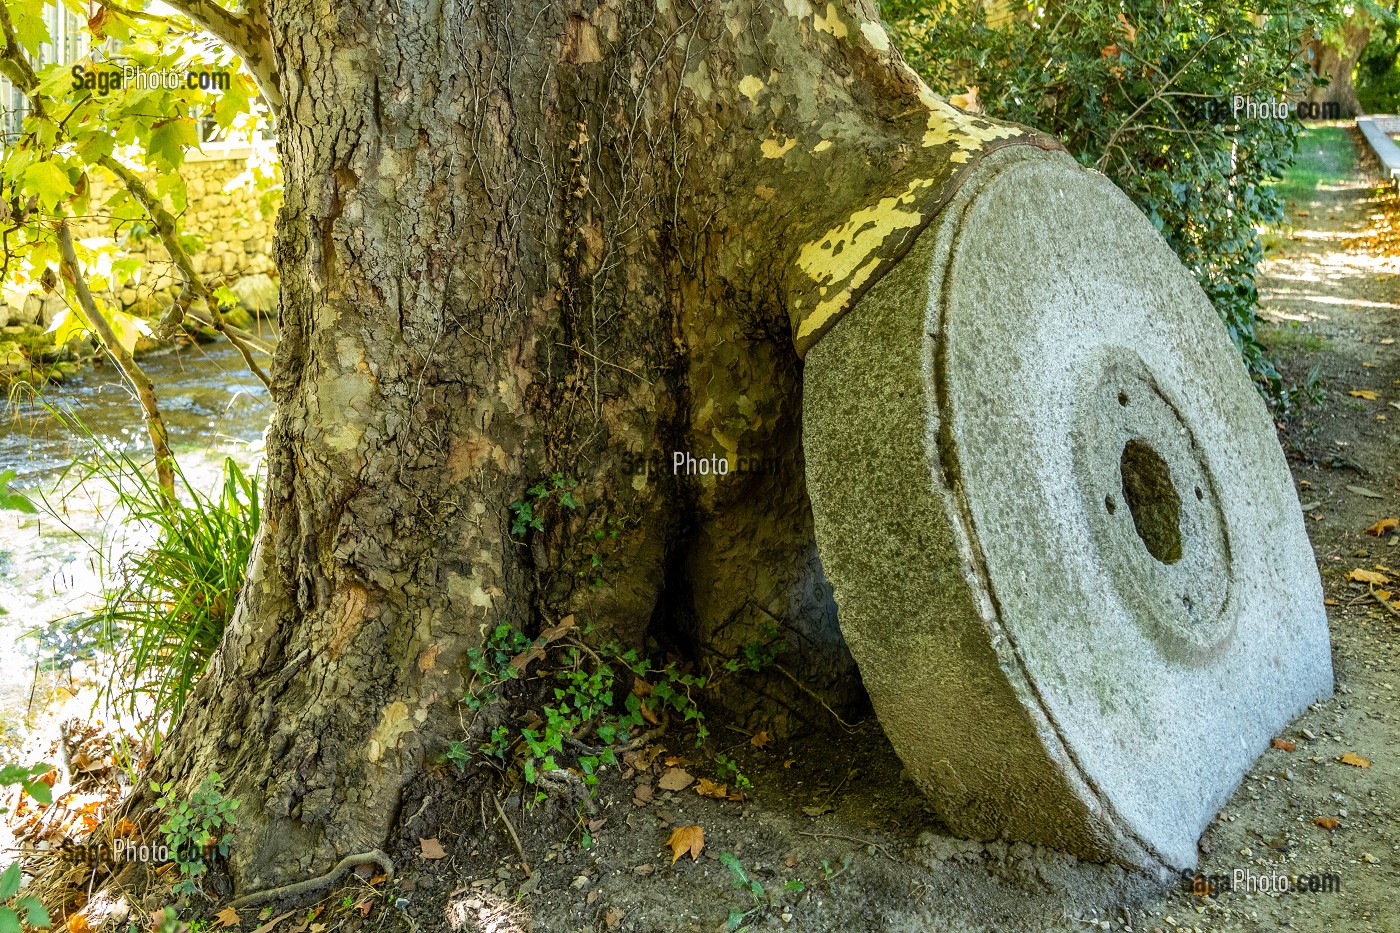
530 238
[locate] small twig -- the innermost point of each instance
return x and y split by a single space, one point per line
1388 607
33 684
520 850
807 690
864 842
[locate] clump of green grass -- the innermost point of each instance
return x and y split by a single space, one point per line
163 618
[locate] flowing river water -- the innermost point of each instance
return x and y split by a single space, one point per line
213 407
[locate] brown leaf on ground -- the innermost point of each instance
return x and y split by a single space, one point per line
640 687
1363 491
675 779
1326 822
431 849
708 788
686 839
1360 575
760 739
365 906
1368 394
78 923
641 759
644 792
124 828
228 917
649 714
1283 745
1355 760
613 917
672 761
1383 526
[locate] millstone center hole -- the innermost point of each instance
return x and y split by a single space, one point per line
1152 500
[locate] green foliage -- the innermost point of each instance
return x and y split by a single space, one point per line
166 614
13 906
1142 90
194 829
529 511
1377 74
13 501
760 652
28 780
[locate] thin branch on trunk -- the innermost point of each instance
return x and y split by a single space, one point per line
145 389
164 223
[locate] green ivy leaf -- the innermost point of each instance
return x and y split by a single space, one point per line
9 881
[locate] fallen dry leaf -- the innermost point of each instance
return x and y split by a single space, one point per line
708 788
124 828
547 637
78 923
613 917
1330 602
643 793
1361 575
640 687
675 779
673 761
1383 526
649 714
967 100
1363 491
1355 760
1326 822
365 906
431 849
760 739
1368 394
1382 595
789 762
228 917
1284 745
686 839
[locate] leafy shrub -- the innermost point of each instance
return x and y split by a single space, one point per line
162 621
194 829
1142 90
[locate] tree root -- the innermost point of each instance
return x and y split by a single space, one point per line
300 889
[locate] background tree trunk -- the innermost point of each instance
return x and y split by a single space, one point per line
1335 60
530 238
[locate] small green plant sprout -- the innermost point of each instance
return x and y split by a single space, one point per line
738 919
28 780
759 653
194 829
527 512
727 770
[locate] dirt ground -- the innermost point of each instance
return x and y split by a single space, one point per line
832 837
835 837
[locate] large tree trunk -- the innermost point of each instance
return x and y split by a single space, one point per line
526 238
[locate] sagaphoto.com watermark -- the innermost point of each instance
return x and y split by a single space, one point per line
105 79
1248 881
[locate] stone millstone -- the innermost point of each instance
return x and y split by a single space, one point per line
1064 542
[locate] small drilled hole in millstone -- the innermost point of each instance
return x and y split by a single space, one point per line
1152 500
1199 495
1109 504
1123 399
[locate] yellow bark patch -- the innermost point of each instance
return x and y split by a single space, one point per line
776 149
844 258
393 724
822 146
750 87
947 124
831 22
